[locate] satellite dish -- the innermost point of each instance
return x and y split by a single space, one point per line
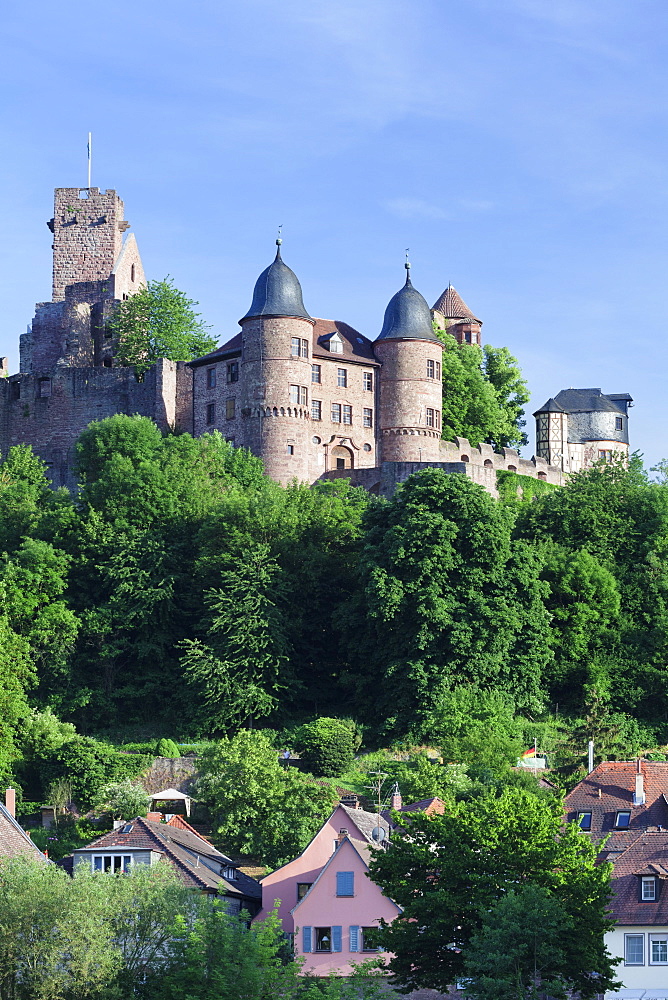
378 834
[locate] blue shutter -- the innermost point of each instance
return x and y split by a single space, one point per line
336 938
306 939
345 883
354 938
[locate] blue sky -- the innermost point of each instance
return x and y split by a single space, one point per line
518 147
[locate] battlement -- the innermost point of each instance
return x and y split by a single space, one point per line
87 226
483 456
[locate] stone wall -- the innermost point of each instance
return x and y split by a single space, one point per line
87 227
406 396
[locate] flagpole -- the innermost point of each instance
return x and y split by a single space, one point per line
90 149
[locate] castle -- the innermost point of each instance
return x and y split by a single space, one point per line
313 398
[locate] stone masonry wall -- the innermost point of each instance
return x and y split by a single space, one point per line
406 393
88 229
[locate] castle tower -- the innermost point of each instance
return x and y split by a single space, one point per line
410 397
451 313
580 427
275 382
87 227
552 434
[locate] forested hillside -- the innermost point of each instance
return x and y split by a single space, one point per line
184 594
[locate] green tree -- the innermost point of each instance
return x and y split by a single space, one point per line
157 322
326 746
448 870
90 765
443 598
521 949
483 394
167 748
259 807
123 799
55 943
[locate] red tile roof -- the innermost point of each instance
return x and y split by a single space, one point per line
14 841
609 789
452 306
356 347
647 855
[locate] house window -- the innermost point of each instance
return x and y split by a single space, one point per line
229 408
634 949
622 819
368 943
431 418
584 820
323 938
345 883
294 347
233 371
302 889
291 449
211 413
367 416
336 413
619 423
230 874
658 949
342 377
347 414
316 373
336 344
368 381
316 409
211 378
431 369
649 888
112 862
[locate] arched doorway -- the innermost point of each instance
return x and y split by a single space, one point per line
342 458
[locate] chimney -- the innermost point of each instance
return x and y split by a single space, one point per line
395 798
154 816
342 834
591 756
639 794
10 802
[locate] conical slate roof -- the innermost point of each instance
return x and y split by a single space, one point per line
277 292
550 407
407 316
452 306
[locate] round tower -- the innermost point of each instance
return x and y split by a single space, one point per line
277 335
410 394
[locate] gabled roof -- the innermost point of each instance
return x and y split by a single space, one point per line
647 855
362 848
615 780
451 305
356 347
14 841
587 401
197 862
366 822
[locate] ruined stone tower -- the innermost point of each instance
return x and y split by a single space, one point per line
409 410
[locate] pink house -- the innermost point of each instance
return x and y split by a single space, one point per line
326 899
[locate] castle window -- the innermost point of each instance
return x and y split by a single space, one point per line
438 420
211 378
298 395
342 378
211 413
347 414
304 351
16 390
44 387
336 344
438 370
336 413
316 373
294 347
467 337
316 409
107 362
430 417
367 447
367 416
619 423
132 273
368 381
233 371
291 449
230 407
605 456
431 369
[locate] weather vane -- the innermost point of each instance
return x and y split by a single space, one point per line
407 265
279 237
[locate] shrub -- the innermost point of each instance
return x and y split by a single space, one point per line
326 746
167 748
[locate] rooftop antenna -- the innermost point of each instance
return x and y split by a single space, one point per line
90 151
379 777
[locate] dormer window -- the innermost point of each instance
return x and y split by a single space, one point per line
336 344
648 888
623 819
584 820
230 874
